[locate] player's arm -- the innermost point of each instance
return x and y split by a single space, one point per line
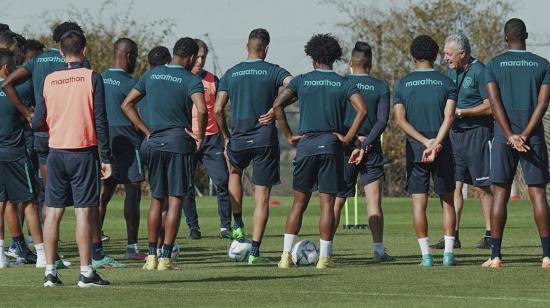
221 100
435 145
483 109
202 117
101 125
382 116
400 115
18 76
286 98
269 116
540 110
38 119
358 103
129 108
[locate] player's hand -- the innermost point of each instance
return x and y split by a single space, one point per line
345 140
199 142
430 154
518 143
267 118
429 143
28 117
106 171
368 148
293 139
356 156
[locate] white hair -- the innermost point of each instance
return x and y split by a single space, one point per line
461 42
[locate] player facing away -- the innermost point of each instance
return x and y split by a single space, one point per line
125 141
169 146
211 154
319 162
376 94
471 133
72 109
16 182
251 86
424 106
518 84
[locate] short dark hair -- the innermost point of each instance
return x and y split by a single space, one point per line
261 35
424 47
202 45
4 27
7 38
63 28
362 54
159 55
33 45
323 48
125 44
6 57
73 43
515 30
185 47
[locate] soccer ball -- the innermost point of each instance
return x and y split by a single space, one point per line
239 251
304 253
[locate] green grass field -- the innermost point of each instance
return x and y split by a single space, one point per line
207 278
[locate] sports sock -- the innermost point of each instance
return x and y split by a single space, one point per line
39 249
97 251
457 235
2 257
152 249
449 243
378 248
86 271
545 241
2 244
325 249
238 217
20 245
223 229
50 269
288 242
495 247
424 245
133 247
166 251
255 251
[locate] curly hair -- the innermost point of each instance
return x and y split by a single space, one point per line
159 55
33 45
63 28
323 48
424 47
185 47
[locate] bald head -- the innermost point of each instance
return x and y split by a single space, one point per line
126 52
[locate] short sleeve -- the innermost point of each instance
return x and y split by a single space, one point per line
222 85
451 90
489 75
195 86
547 76
294 84
351 88
29 66
481 84
141 84
397 99
280 75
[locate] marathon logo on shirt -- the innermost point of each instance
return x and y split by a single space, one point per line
365 87
424 82
50 59
522 63
63 81
322 83
112 82
167 77
249 72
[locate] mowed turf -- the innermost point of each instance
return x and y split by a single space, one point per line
207 278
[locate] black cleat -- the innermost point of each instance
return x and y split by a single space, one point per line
52 281
94 281
226 234
194 234
484 243
441 244
29 258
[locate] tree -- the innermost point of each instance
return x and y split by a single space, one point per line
390 33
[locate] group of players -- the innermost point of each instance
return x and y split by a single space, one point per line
75 135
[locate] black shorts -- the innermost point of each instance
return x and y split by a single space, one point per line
170 174
16 181
265 163
441 170
472 156
41 148
73 178
322 172
534 164
371 170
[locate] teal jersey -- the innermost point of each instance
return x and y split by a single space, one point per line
323 96
252 87
519 75
118 84
376 94
12 142
470 88
424 94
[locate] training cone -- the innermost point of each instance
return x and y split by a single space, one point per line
274 203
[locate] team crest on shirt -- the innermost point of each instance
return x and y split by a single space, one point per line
467 82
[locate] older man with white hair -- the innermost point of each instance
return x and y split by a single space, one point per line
472 131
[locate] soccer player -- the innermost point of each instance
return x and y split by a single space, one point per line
471 133
125 141
252 86
376 94
211 155
318 166
72 109
171 91
518 85
424 106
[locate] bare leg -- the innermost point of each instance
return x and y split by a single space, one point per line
33 221
449 214
154 219
499 209
83 234
458 202
105 196
261 212
326 222
173 218
537 195
420 221
51 232
338 206
299 206
373 193
486 199
235 190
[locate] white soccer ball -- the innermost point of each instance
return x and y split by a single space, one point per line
304 253
239 251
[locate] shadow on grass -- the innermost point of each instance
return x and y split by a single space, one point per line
231 279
